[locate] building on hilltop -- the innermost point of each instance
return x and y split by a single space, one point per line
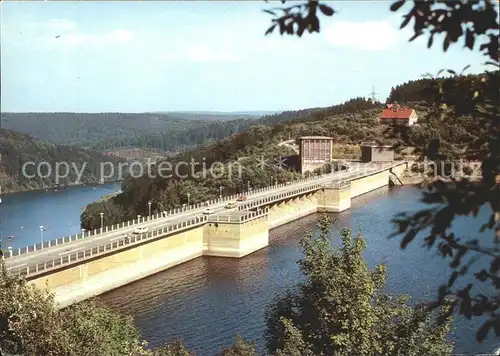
395 114
314 152
373 152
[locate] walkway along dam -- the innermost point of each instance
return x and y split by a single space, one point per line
81 266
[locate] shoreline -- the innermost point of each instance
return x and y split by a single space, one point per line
53 189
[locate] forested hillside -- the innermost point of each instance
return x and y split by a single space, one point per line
350 123
157 131
181 136
213 115
456 90
16 149
201 133
111 130
458 127
349 107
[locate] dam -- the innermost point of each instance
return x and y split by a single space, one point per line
81 266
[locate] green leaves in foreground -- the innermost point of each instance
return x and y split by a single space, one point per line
341 308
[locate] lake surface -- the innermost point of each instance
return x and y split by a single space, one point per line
22 214
209 300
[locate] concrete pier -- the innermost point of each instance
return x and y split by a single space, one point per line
236 234
334 198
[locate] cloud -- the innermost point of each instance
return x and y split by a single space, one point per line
165 57
73 39
368 35
199 53
59 33
119 36
62 25
204 53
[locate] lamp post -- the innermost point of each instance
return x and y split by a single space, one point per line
220 192
189 195
102 220
41 235
271 180
149 208
248 185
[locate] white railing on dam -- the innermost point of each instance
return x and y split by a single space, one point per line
143 220
103 249
199 206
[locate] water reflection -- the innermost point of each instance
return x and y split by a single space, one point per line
158 288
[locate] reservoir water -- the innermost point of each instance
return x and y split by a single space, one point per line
209 300
22 214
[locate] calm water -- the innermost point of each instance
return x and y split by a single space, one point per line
22 214
209 300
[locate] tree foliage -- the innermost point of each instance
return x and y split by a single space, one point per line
30 325
471 22
465 198
175 348
241 347
351 106
341 308
456 111
17 149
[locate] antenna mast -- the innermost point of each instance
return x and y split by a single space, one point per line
373 94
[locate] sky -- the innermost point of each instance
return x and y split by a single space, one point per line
204 56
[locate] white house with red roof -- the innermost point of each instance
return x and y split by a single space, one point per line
394 114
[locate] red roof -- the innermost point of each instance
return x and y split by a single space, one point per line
396 114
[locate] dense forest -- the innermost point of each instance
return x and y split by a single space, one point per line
349 124
351 106
17 149
167 132
112 130
181 136
168 192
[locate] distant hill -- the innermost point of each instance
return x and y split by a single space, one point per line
179 137
112 130
200 133
17 149
86 129
215 115
160 131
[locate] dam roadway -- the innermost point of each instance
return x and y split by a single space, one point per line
37 263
